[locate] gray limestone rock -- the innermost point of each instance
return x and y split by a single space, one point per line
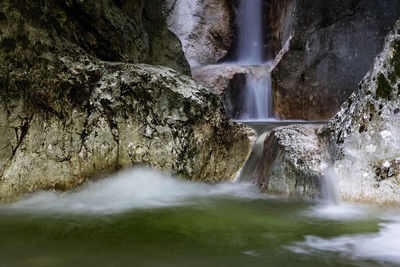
96 117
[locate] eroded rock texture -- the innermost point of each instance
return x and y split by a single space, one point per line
66 115
331 45
205 28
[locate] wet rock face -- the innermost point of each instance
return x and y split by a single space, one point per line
333 45
293 162
204 27
128 31
66 116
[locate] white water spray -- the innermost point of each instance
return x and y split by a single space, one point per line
127 190
329 187
258 98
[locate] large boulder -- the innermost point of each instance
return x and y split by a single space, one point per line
330 47
67 116
205 28
292 162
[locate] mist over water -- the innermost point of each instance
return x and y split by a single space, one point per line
381 246
130 189
201 215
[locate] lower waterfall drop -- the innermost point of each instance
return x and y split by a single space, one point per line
258 97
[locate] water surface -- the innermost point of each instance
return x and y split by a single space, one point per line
144 218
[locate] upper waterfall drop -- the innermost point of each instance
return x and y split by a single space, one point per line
250 35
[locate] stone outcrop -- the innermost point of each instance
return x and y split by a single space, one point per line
230 82
227 80
205 28
361 142
331 45
364 136
293 161
129 31
67 115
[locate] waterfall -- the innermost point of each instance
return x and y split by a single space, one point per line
250 52
250 36
258 97
329 187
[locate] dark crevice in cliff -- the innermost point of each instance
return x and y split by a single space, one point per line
24 130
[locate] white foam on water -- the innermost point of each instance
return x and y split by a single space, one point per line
130 189
382 246
340 212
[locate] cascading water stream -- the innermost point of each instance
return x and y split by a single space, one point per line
250 36
251 53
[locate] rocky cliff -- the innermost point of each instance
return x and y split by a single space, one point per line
69 112
364 136
330 46
361 142
128 31
205 27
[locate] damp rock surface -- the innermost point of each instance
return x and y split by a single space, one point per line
127 31
364 136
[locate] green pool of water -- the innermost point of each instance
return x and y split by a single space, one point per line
219 229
